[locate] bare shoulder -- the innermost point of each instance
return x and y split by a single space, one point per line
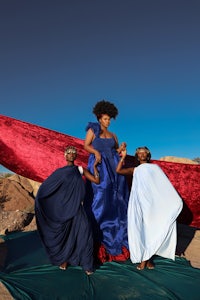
90 131
114 136
90 134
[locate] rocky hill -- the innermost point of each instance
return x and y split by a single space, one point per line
17 196
178 160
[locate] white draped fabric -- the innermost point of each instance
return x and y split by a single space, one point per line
154 205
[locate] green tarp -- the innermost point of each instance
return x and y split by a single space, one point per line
28 274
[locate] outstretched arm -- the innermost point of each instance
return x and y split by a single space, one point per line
92 177
120 169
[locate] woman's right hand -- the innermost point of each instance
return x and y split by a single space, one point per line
96 163
97 156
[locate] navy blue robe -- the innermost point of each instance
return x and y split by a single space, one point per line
61 219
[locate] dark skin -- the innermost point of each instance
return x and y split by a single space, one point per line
142 157
104 121
70 157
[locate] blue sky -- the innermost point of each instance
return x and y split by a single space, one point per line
58 58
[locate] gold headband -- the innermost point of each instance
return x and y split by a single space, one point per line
143 150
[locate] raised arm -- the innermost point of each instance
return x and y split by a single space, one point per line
120 169
121 147
88 145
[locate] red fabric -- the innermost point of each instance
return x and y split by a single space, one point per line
103 256
186 180
35 152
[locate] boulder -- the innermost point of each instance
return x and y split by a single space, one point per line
178 160
11 221
17 200
188 244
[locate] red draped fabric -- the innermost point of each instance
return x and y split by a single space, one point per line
35 152
186 180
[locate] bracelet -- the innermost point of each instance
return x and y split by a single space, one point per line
96 175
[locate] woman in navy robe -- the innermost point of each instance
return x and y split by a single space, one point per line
62 223
107 204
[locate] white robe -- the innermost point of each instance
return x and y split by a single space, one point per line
153 207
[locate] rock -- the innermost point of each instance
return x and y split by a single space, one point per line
17 200
14 196
3 253
31 226
35 186
178 160
24 182
188 244
28 184
11 221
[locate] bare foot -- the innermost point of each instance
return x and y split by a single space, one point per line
150 265
142 265
63 266
89 272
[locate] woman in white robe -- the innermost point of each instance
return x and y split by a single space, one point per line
153 208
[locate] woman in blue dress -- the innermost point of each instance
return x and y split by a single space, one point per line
106 203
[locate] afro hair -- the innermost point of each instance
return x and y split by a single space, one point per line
105 108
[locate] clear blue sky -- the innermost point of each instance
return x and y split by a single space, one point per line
58 58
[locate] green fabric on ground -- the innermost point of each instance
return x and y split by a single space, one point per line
29 275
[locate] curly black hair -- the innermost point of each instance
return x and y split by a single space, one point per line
104 107
147 150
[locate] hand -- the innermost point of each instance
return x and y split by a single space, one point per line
96 162
98 157
123 153
122 147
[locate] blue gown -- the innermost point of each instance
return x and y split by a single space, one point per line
62 222
106 203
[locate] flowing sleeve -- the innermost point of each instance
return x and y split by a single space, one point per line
95 128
